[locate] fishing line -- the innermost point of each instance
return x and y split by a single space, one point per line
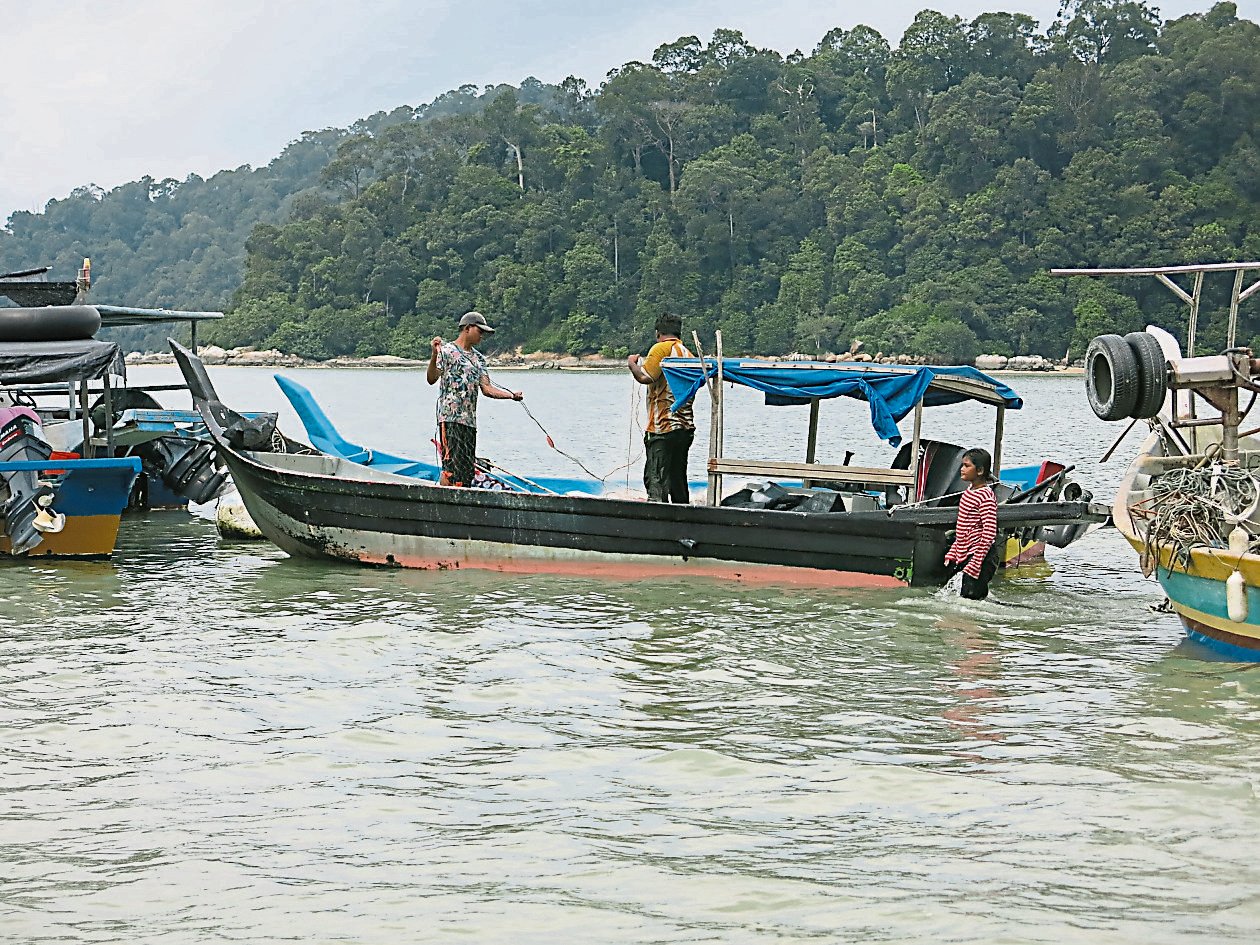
634 422
634 400
552 444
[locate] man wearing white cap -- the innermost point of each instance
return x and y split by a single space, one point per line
463 371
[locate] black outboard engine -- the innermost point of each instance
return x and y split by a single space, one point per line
25 502
185 465
1060 536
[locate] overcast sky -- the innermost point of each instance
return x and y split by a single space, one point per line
106 91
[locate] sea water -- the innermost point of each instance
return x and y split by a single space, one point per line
205 741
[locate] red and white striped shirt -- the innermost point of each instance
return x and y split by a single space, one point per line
977 530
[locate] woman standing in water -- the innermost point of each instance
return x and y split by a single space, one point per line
974 551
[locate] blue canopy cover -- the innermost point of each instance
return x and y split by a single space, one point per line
892 393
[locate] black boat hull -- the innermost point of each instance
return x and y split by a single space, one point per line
380 521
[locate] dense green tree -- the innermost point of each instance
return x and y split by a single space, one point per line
912 199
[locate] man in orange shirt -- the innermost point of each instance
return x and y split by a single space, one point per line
668 435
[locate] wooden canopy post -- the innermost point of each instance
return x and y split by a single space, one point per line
997 441
915 458
721 405
811 441
712 496
88 451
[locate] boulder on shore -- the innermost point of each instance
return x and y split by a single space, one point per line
991 362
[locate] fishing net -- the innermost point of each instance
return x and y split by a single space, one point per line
1187 508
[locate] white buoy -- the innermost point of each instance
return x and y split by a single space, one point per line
1236 597
1239 541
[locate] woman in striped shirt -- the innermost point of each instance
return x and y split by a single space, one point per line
974 551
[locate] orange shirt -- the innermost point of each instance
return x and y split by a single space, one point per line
659 399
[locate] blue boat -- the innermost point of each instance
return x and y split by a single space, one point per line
56 503
323 435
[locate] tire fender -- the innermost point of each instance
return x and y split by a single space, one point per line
1111 377
1152 374
50 323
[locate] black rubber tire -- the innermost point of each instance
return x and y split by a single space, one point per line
1111 377
1152 374
50 323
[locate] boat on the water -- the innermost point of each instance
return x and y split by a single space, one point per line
842 525
56 503
126 420
1189 503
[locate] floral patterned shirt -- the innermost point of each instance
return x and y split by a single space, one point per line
462 372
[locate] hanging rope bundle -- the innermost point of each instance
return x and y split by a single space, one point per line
1188 508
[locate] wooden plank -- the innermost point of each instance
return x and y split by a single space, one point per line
744 467
1155 270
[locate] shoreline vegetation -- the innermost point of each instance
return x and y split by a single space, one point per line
551 360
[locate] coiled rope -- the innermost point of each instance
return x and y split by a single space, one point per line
1188 508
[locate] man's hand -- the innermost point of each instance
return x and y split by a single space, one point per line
634 359
518 395
434 372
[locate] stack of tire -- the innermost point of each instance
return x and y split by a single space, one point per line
1126 376
51 323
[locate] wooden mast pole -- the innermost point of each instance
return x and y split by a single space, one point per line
811 441
721 417
715 409
997 441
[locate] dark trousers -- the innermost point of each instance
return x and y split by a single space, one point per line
978 588
665 471
459 453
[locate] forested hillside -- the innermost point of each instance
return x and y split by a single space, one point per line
912 197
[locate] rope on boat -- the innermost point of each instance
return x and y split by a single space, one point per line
552 444
634 399
1188 508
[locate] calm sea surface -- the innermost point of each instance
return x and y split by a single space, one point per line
204 741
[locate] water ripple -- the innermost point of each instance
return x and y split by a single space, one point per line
208 742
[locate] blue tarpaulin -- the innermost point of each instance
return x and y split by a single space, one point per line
892 393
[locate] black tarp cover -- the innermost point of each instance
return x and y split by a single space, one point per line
48 362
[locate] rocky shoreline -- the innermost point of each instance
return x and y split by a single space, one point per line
548 360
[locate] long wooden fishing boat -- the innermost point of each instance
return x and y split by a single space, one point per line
1188 503
872 526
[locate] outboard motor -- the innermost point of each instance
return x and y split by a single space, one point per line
1060 536
25 502
185 465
